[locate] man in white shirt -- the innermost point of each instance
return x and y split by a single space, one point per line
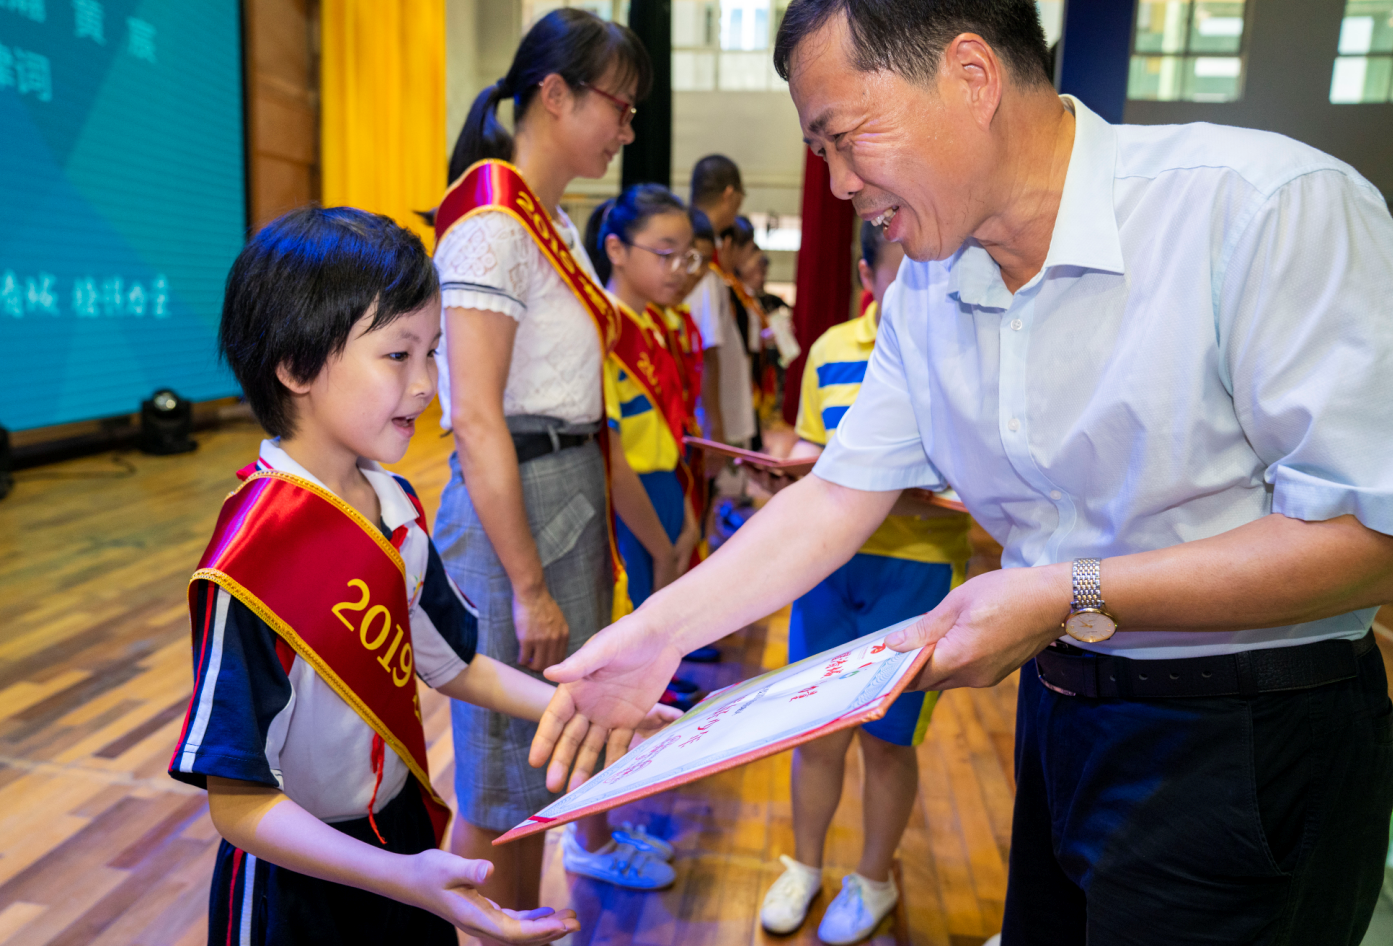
1156 364
727 405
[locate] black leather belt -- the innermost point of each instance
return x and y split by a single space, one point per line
532 446
1074 672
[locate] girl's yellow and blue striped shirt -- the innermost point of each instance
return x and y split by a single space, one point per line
832 379
648 442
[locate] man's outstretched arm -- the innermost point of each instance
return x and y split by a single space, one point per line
799 538
1270 572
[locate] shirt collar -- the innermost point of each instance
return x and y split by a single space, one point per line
1085 228
866 325
397 509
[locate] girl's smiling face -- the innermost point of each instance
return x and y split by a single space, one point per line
366 399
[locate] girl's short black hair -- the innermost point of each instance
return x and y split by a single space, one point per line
300 285
624 216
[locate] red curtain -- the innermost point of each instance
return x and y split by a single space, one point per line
824 270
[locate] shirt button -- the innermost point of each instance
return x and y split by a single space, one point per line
1017 324
1013 425
1056 494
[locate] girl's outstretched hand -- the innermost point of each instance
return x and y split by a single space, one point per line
446 886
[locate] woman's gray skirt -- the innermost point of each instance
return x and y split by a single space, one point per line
564 494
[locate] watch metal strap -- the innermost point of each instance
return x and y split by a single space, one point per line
1088 583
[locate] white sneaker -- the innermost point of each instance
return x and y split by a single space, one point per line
994 941
618 863
786 904
641 839
857 910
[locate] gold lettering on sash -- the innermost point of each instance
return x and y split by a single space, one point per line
367 623
358 605
405 667
645 364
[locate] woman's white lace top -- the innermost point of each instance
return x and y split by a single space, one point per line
490 262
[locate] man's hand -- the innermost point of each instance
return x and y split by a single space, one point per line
989 626
607 689
541 629
445 885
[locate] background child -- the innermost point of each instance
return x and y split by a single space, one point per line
641 245
727 407
902 571
330 323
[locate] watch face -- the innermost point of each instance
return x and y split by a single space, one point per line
1090 626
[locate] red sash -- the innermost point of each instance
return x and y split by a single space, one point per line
644 351
333 587
766 389
492 185
687 346
748 301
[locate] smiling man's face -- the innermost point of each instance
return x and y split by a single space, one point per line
917 159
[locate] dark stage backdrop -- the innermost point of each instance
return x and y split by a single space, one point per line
121 202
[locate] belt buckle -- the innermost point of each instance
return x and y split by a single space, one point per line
1050 686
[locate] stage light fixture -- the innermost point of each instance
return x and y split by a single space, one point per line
166 422
7 464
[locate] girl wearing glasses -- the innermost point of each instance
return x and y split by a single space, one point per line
522 526
641 245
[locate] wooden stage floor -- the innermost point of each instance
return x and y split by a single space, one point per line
98 845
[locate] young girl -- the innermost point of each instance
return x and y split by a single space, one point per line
308 739
641 245
523 525
682 326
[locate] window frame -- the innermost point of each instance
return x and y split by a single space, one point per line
1369 56
712 48
1186 57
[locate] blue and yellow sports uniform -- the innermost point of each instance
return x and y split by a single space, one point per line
651 450
904 569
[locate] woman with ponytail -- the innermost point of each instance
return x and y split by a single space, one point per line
523 526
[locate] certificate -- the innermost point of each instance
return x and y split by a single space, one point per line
833 690
794 467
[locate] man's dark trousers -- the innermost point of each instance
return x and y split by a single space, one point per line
1220 820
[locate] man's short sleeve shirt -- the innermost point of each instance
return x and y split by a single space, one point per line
1207 343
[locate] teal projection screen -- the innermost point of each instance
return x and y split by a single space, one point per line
121 202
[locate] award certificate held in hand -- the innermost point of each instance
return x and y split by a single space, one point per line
833 690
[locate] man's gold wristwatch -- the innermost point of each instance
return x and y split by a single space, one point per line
1087 620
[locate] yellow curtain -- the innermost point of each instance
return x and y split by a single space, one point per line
382 107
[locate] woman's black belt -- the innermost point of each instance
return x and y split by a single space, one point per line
1075 672
532 446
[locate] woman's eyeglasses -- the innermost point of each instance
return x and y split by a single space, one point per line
688 262
627 110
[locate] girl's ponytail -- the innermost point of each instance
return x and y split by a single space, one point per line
483 135
595 241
